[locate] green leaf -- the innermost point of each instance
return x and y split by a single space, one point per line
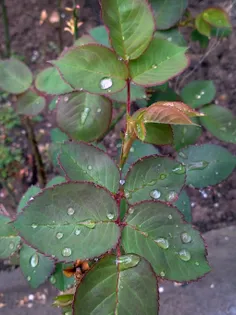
57 135
30 104
35 267
220 122
198 93
53 104
217 17
111 288
202 26
84 116
57 138
56 180
184 206
173 35
58 279
85 162
174 248
198 37
154 177
186 135
93 68
158 134
100 34
167 95
159 63
73 216
207 164
30 193
168 12
131 26
9 240
49 81
136 93
84 40
15 76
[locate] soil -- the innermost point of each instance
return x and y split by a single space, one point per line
212 208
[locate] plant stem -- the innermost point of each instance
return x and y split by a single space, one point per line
60 28
76 18
128 97
41 174
6 29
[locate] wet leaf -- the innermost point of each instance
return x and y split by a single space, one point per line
158 134
56 180
30 193
84 116
154 177
207 164
107 289
73 216
100 34
15 76
35 267
184 206
93 68
220 122
186 135
174 248
173 35
131 26
85 162
30 104
160 62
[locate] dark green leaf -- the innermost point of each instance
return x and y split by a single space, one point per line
56 180
15 76
131 26
167 95
207 164
84 40
53 104
198 37
114 288
198 93
93 68
168 12
184 206
9 241
172 35
30 104
58 279
84 116
57 135
35 267
100 34
158 134
81 161
159 63
174 248
154 177
186 135
220 122
49 81
73 216
30 193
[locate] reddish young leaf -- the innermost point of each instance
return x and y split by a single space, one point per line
180 106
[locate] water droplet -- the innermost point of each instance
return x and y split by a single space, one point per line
127 195
28 278
66 252
106 83
122 182
167 57
89 224
162 243
68 313
155 194
84 115
11 245
131 210
99 110
180 169
77 232
186 238
31 199
197 263
132 149
184 255
170 217
66 98
59 235
34 226
81 89
198 97
217 173
53 280
70 211
172 196
200 165
90 167
169 39
162 274
110 216
34 260
163 176
154 66
202 92
203 193
127 261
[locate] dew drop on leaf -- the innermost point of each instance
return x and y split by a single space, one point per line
89 224
66 252
34 226
66 98
200 165
99 110
90 167
122 182
28 278
131 210
11 245
162 243
184 255
172 196
84 115
155 194
110 216
34 260
59 235
106 83
162 274
154 66
186 238
31 199
170 217
197 263
70 211
127 261
53 280
77 232
180 169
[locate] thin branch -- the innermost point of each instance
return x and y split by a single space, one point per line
5 21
